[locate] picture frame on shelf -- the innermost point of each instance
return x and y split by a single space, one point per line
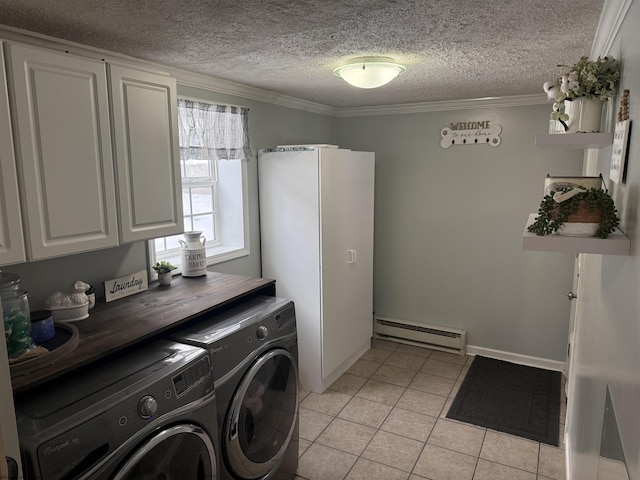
619 152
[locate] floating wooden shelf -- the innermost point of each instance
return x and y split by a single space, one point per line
617 243
574 140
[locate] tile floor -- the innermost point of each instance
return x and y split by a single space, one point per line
384 419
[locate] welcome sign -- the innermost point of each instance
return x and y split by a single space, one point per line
471 133
124 286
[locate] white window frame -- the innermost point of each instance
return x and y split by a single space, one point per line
232 218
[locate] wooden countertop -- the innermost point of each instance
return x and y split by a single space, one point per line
119 324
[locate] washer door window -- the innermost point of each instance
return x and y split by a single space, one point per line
183 452
262 416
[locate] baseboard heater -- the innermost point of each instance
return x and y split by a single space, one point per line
420 334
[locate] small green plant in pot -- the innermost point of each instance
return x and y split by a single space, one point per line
576 205
164 269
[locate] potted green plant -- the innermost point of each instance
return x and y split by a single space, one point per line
164 269
580 91
570 205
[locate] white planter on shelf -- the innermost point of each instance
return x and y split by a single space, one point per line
164 278
584 114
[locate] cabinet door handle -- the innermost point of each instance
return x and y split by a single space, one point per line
571 296
352 256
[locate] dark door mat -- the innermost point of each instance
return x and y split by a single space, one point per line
510 398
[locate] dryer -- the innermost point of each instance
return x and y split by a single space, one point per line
254 353
146 413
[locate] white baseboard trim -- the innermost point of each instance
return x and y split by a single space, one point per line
537 362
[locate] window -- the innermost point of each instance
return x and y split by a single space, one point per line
214 147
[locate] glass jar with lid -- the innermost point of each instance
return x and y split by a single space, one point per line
17 322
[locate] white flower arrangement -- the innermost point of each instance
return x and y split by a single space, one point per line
587 78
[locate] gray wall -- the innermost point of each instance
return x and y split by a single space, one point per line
449 223
608 319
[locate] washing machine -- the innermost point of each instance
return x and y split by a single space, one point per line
146 413
254 353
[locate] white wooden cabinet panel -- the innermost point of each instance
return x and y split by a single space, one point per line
61 118
316 223
11 237
347 180
144 107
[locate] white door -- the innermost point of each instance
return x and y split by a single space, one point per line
63 139
145 126
347 183
11 238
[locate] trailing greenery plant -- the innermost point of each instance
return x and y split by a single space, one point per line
552 215
163 267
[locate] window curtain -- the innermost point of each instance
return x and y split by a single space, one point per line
216 132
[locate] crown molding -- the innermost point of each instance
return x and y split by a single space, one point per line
218 85
611 18
445 105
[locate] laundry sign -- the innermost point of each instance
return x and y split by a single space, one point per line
124 286
471 133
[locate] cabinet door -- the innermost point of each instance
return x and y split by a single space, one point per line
11 238
347 188
145 126
64 150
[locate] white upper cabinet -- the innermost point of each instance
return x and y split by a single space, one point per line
95 161
63 142
11 238
145 130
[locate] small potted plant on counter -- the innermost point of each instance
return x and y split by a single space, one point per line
576 211
163 269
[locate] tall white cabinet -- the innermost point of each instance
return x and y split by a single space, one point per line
316 223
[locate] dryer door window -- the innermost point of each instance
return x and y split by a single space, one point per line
183 452
262 416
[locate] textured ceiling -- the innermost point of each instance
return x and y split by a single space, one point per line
453 49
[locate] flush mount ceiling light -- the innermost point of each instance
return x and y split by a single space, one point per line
369 72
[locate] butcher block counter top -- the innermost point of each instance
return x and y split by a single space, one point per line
119 324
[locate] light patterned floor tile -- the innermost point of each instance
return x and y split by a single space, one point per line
365 412
303 445
393 450
413 350
432 384
384 344
312 423
494 471
409 424
329 402
362 368
510 450
394 375
348 384
437 463
367 470
458 437
381 392
441 369
403 360
551 462
376 355
324 463
421 402
346 436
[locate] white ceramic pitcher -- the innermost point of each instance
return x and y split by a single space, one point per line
193 254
